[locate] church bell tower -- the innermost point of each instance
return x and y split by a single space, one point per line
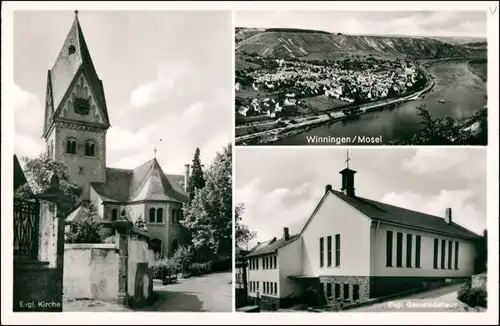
76 116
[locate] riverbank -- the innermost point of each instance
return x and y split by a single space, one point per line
393 119
270 136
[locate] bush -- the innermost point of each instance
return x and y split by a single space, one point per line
85 231
473 296
196 269
165 267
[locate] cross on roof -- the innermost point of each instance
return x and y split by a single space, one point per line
348 159
154 150
76 13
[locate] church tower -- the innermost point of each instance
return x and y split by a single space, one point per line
76 116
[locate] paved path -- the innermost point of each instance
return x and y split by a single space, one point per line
205 293
437 300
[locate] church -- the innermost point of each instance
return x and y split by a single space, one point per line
352 249
75 126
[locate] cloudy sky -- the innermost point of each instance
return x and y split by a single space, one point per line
166 75
415 23
281 186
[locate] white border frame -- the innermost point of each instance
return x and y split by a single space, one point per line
489 317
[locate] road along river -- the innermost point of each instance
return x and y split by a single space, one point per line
463 91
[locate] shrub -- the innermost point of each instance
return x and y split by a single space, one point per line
164 267
473 296
196 269
85 231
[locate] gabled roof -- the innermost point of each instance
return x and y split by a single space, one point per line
67 67
79 215
146 182
378 211
271 246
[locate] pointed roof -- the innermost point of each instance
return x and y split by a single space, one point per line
146 182
19 177
79 214
73 58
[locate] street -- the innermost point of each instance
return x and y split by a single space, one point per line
210 292
435 300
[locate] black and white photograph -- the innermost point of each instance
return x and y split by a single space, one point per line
122 189
361 77
361 230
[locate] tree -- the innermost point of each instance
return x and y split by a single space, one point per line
209 215
39 172
242 233
440 131
482 253
196 180
85 230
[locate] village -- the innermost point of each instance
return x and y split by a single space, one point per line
281 88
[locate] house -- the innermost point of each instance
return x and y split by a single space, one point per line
75 126
353 249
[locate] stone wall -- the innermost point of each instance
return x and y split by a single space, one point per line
479 281
140 269
362 281
91 271
269 303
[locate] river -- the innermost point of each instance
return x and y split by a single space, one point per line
464 92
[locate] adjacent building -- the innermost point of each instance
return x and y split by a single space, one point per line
352 249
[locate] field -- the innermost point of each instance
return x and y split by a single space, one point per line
323 103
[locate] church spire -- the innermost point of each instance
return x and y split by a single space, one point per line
73 60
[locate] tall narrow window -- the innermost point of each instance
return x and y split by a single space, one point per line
337 290
337 250
329 251
114 214
443 254
417 251
450 252
159 215
388 249
151 215
275 261
408 249
456 255
399 249
346 291
321 252
355 292
328 290
275 288
89 148
71 146
436 253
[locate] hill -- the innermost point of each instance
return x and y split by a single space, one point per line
287 43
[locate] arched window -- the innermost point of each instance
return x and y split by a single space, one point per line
89 148
71 146
71 49
114 214
151 215
175 245
159 215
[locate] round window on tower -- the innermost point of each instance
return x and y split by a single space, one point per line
71 49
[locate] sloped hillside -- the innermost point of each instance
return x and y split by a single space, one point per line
292 44
243 33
